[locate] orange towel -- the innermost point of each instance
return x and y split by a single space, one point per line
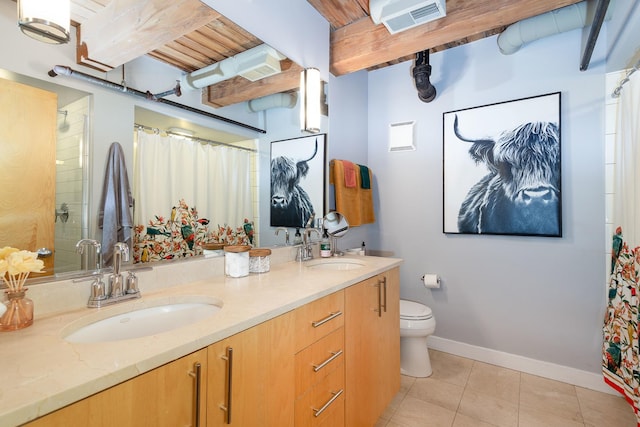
356 203
349 174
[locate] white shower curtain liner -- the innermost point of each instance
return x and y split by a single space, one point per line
627 151
213 179
621 347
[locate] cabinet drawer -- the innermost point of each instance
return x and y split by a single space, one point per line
317 319
319 359
322 405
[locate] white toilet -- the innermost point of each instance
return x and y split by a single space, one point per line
416 324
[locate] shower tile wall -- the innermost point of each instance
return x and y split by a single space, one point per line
611 114
70 182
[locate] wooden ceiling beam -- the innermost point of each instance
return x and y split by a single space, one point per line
127 29
362 44
239 89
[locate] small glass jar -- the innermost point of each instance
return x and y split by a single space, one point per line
19 312
212 250
236 260
259 260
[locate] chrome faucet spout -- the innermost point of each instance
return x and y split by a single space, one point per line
116 281
97 248
120 254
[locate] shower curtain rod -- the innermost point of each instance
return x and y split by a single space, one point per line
193 138
616 91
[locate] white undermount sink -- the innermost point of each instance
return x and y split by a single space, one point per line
335 264
140 322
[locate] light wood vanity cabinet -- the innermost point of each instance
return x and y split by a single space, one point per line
333 362
319 363
163 397
372 336
250 377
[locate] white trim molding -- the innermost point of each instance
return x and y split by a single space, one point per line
540 368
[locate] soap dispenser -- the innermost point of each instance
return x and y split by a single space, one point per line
297 239
325 245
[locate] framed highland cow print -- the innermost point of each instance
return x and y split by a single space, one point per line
297 181
502 168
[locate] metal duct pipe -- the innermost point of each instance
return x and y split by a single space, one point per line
277 100
421 73
601 11
557 21
66 71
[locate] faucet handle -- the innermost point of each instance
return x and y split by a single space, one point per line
98 290
132 283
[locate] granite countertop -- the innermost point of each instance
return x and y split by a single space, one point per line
41 372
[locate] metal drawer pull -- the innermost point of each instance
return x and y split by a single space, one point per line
336 354
326 319
317 412
197 367
379 310
227 408
384 287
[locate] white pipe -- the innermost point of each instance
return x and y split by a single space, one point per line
276 100
557 21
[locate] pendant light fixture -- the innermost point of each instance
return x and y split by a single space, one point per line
310 100
45 20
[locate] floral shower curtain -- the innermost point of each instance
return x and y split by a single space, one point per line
214 180
621 348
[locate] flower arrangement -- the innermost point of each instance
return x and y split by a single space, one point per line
15 266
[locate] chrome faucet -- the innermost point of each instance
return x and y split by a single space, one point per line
305 252
97 248
119 289
286 234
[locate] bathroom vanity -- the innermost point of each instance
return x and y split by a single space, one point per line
307 344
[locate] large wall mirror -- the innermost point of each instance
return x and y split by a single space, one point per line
83 119
66 212
45 193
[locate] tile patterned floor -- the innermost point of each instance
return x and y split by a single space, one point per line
466 393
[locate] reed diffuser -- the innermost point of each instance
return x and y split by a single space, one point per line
15 267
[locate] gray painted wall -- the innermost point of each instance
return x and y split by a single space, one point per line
541 298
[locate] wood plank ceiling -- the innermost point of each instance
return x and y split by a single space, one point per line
198 36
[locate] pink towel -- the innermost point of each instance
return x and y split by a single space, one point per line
349 174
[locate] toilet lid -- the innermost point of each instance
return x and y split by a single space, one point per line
414 310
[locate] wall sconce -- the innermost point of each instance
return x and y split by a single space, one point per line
310 100
45 20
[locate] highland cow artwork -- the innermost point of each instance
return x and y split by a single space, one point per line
502 168
297 181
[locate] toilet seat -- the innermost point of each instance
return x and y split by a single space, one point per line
410 310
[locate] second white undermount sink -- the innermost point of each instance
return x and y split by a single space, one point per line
335 264
141 322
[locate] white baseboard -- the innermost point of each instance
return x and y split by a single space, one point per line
540 368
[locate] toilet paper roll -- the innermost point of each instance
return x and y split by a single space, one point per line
431 281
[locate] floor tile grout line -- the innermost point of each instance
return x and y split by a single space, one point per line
519 395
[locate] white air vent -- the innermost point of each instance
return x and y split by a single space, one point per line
400 15
259 65
402 136
253 64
